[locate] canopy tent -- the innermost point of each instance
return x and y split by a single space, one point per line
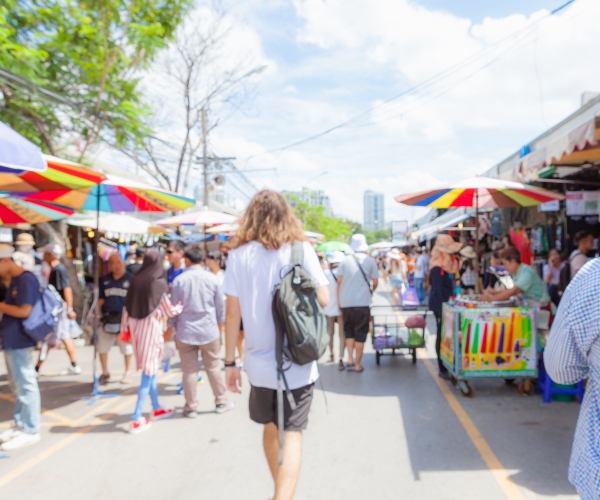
203 217
17 153
114 223
383 245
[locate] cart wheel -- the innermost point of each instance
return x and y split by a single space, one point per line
377 356
466 389
509 381
414 356
526 387
453 380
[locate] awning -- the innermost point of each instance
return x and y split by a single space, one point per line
446 220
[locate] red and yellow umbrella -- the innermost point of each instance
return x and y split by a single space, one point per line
19 211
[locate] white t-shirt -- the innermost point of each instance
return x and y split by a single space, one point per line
422 263
252 274
333 308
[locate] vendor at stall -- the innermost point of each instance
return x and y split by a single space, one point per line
527 281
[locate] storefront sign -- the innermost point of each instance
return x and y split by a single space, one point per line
583 202
550 206
399 230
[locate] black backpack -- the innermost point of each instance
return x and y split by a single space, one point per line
301 328
565 274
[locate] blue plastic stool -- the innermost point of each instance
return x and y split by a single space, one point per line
548 390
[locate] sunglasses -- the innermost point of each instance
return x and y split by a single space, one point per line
169 252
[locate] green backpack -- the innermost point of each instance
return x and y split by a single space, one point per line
300 326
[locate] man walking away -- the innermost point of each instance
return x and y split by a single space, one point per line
198 328
421 267
572 354
332 310
59 279
113 291
262 253
23 293
175 256
578 258
355 292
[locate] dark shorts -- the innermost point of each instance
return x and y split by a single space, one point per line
356 322
263 407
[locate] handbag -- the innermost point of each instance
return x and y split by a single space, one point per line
111 322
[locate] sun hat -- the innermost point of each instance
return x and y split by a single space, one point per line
25 239
53 248
6 251
358 243
336 258
394 254
446 244
468 252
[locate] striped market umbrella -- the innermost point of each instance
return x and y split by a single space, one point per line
17 153
480 192
19 211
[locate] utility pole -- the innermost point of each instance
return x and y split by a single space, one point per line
205 156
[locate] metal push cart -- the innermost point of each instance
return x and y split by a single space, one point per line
389 332
489 342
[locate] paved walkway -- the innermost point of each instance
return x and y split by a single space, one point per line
396 430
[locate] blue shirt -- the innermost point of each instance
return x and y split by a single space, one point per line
114 292
573 354
172 273
23 289
203 306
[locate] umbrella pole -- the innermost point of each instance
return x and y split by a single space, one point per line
477 289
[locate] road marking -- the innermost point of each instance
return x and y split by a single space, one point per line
509 488
489 457
48 452
48 413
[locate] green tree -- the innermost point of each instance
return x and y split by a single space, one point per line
379 235
334 228
81 61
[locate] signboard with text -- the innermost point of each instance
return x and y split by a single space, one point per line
399 230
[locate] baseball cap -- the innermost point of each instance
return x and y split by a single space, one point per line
6 251
53 248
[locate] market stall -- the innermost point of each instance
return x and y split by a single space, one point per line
489 340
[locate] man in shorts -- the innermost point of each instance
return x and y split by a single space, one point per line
113 291
59 279
358 277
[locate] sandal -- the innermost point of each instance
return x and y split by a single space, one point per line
359 371
104 378
341 366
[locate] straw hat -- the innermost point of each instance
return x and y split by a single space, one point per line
25 239
445 244
468 252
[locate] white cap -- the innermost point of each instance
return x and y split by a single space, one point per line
53 248
358 243
6 251
337 258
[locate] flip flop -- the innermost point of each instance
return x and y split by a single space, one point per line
359 371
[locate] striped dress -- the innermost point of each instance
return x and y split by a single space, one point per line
147 334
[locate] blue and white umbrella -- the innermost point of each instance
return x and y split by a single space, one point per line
17 153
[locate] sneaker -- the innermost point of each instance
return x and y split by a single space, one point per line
140 425
190 414
161 413
19 440
225 407
72 370
8 434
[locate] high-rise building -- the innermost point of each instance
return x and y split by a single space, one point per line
311 198
374 215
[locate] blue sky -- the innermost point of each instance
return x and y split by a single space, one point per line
329 60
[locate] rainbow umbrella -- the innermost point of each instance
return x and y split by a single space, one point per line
480 192
17 153
19 211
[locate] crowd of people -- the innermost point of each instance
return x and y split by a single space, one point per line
205 306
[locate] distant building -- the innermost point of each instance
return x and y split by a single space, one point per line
374 214
311 198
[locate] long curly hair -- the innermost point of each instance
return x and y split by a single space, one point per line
269 220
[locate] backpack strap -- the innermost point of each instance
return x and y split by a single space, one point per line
363 274
297 254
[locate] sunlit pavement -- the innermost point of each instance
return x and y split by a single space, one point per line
393 431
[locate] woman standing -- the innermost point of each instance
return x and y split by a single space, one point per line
398 273
442 268
146 304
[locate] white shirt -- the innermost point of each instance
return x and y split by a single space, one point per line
333 308
252 274
421 266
